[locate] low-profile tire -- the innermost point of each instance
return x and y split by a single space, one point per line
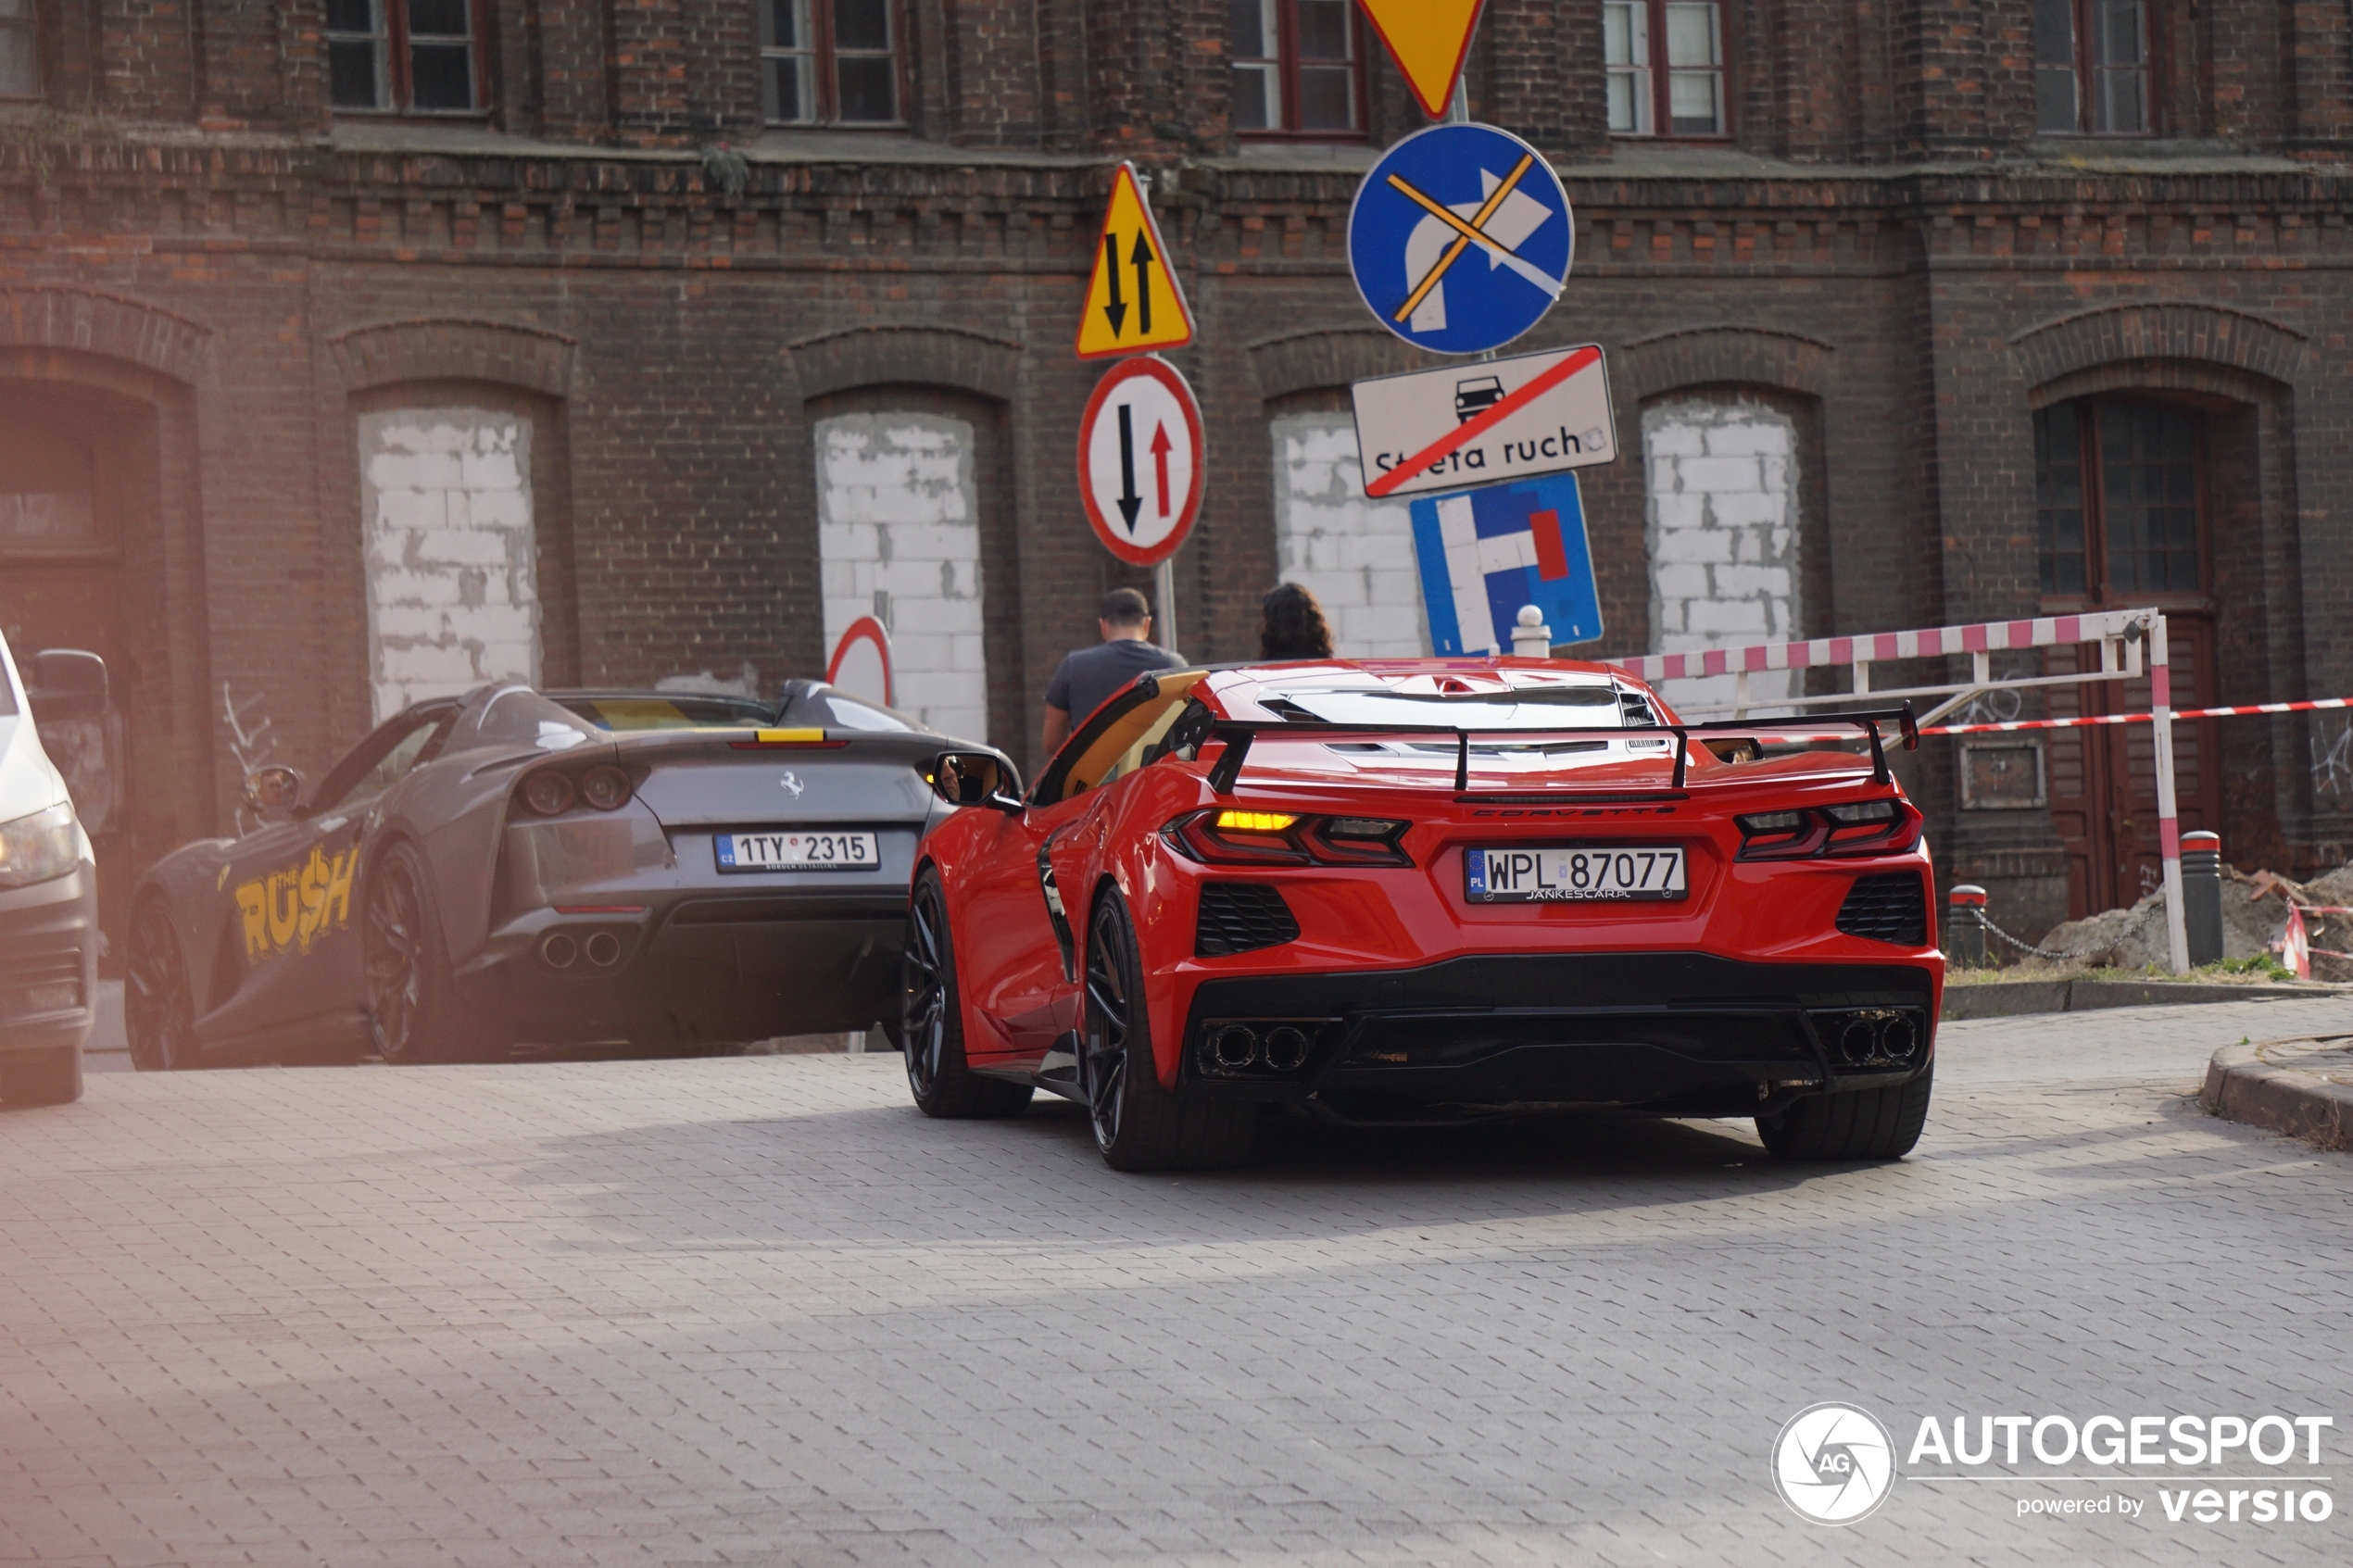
413 1010
1138 1125
1859 1124
932 1022
50 1077
159 1012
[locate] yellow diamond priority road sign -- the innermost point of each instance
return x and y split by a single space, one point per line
1430 39
1134 302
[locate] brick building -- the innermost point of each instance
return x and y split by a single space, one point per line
351 349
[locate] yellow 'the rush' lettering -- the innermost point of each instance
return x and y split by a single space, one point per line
292 907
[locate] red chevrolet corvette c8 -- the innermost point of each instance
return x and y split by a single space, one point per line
1425 890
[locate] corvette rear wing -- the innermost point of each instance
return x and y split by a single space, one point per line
1239 735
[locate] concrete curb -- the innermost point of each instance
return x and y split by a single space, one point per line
2014 999
2301 1088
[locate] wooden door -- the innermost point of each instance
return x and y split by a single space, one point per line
2103 780
2121 494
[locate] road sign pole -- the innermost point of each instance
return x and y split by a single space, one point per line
2168 826
1164 602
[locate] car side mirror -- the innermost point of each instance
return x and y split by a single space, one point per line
68 683
974 778
276 789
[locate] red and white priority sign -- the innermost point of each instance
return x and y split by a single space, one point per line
1139 460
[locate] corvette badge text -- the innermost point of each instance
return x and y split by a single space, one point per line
292 907
1835 1464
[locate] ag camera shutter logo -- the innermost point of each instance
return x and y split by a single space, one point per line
1833 1464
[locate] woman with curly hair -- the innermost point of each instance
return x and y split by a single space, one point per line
1291 625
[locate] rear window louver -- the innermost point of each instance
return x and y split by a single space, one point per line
1238 917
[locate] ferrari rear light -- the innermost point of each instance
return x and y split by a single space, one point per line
1238 837
547 793
1886 826
605 788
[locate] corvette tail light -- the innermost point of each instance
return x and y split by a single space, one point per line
1886 826
1230 837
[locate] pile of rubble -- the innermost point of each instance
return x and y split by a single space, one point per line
2254 910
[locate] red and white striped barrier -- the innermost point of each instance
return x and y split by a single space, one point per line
2136 718
1981 639
1935 642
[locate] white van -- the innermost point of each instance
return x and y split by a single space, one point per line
48 885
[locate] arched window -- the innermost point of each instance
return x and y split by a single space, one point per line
1354 554
899 530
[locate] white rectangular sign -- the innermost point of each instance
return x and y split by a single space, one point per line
1485 423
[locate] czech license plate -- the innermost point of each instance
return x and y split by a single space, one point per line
796 851
1529 876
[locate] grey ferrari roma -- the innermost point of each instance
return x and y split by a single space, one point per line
675 874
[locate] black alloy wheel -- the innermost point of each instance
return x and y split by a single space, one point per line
932 1027
1140 1125
412 1004
158 1014
1102 1057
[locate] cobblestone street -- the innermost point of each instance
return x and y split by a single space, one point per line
758 1311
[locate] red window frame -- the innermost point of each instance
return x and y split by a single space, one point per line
396 73
1285 61
2086 70
825 69
1662 118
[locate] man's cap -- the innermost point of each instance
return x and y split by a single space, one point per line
1125 606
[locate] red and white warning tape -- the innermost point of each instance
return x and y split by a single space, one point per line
2136 718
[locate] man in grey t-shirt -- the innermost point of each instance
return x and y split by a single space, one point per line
1090 675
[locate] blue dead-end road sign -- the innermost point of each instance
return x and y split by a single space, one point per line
1460 238
1484 552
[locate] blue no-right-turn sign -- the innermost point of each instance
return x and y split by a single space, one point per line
1460 238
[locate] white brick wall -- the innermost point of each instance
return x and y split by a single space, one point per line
1723 536
899 514
1356 556
452 563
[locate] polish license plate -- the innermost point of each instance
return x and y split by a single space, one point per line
796 851
1591 875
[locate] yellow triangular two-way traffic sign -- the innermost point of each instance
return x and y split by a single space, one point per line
1134 301
1430 39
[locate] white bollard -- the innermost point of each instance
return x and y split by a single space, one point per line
1531 638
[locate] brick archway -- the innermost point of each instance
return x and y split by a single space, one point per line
110 326
908 355
2152 331
1721 355
454 349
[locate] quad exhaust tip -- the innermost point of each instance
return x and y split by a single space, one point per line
1286 1049
1258 1048
1878 1037
561 950
1235 1047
